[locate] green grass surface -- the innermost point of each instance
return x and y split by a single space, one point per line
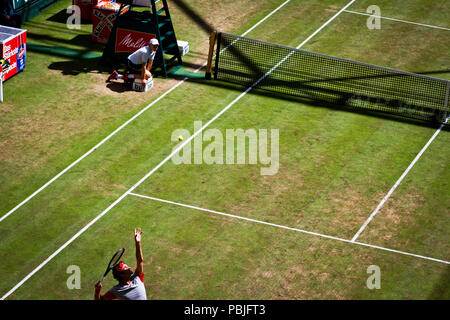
335 167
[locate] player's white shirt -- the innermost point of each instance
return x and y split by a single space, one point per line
135 290
143 55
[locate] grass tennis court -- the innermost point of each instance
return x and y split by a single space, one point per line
226 231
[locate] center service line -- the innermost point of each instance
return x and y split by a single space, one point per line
181 146
386 197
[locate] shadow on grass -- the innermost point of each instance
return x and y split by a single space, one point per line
75 67
437 72
338 105
62 16
441 290
119 87
79 40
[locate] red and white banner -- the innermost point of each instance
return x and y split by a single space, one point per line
13 48
103 17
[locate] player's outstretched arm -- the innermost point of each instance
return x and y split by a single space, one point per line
139 258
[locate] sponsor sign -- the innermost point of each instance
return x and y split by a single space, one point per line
131 40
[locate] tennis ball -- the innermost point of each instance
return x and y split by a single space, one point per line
180 138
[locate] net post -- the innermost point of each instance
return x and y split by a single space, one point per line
446 102
219 41
212 42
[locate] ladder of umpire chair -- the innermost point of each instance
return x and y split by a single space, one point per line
165 33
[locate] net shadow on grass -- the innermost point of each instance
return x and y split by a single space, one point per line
339 104
428 73
347 91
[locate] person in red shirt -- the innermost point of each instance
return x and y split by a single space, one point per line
131 284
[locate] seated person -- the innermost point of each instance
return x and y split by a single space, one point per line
139 63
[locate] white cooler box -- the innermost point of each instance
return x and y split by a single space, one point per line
183 46
139 86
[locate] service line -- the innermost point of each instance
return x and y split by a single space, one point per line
287 228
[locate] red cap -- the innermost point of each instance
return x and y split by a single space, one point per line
122 266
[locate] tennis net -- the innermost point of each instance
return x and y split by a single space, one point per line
313 76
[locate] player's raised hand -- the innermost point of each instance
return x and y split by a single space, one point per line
137 234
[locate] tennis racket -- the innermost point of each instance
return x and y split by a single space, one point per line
113 262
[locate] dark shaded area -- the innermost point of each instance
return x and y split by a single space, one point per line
79 40
8 17
62 16
119 86
441 290
433 72
75 67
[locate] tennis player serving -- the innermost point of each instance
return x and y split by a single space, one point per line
139 63
131 284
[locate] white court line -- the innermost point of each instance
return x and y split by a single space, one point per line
89 152
398 20
289 228
123 125
398 182
264 19
181 146
325 24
